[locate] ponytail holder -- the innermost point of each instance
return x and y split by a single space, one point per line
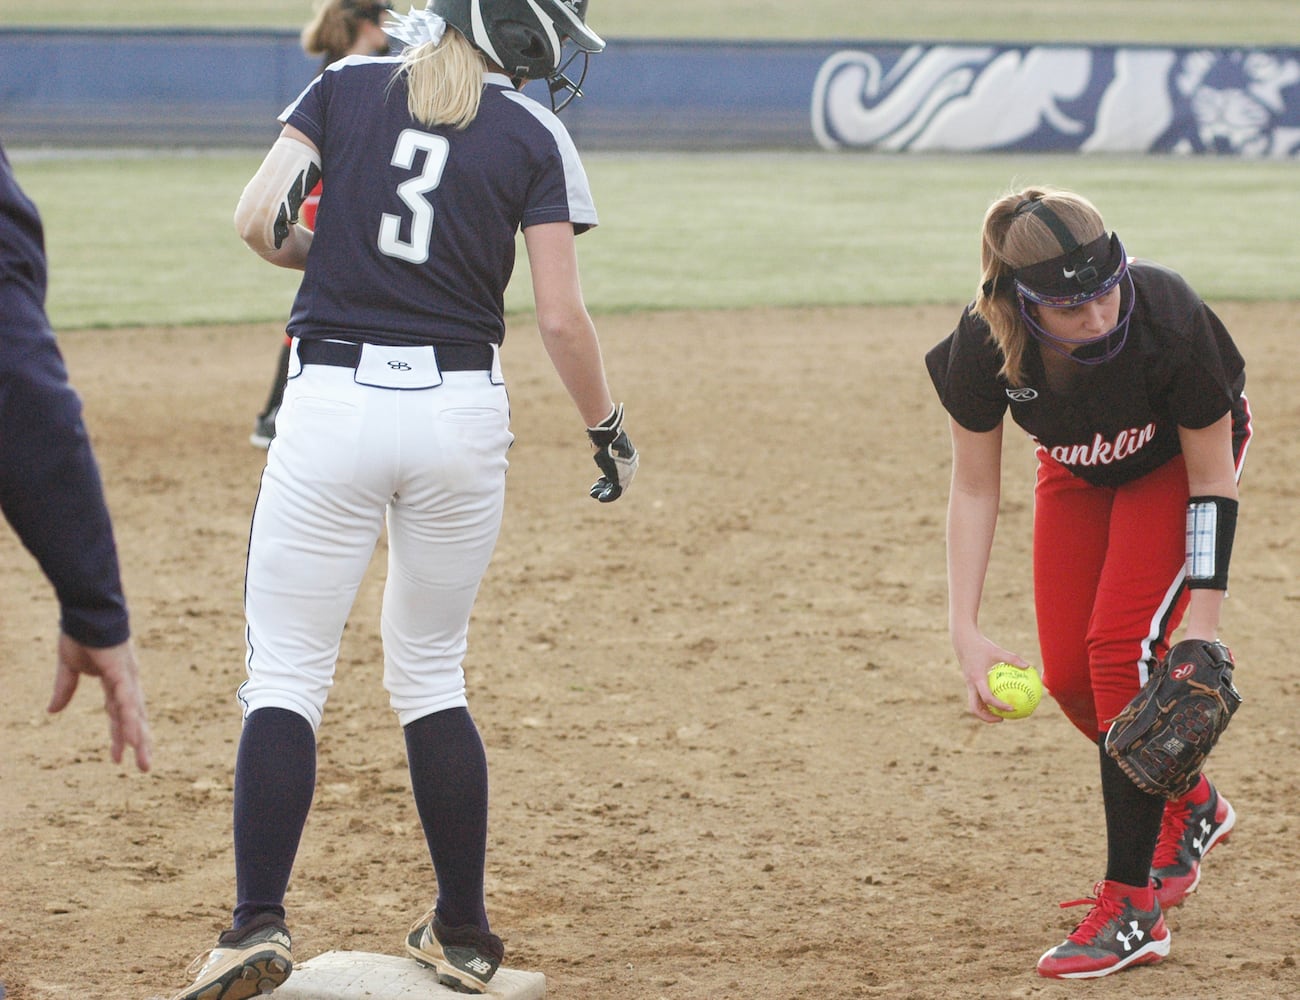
1003 284
416 28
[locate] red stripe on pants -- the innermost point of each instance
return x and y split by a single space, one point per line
1108 565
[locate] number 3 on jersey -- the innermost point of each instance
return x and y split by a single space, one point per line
412 192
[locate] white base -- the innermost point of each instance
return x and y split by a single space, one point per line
359 975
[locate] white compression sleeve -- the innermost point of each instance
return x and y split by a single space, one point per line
267 213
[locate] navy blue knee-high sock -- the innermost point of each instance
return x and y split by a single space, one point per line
1132 824
275 778
450 781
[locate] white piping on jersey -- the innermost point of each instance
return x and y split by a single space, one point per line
1250 433
582 209
331 68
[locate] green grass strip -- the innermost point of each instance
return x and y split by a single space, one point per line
148 239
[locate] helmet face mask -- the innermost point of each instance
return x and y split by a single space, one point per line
565 89
528 39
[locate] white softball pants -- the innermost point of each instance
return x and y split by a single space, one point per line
347 457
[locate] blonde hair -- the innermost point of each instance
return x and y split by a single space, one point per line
444 80
1012 239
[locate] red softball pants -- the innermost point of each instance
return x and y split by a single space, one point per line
1108 585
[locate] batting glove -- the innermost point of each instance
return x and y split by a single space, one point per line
615 456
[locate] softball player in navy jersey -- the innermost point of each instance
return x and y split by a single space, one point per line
1132 391
396 411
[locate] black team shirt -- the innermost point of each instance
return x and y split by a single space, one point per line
1118 420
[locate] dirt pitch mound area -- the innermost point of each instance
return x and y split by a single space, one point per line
729 751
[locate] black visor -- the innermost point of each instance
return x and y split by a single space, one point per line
1081 275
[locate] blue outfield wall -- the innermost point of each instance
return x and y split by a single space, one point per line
210 88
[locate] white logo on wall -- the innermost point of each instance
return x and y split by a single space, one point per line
966 98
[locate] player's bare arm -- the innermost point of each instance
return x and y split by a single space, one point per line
563 321
571 342
972 518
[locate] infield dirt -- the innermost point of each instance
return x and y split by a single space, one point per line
729 749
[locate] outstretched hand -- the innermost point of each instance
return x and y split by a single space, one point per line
119 674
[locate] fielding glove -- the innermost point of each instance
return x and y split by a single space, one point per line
1163 736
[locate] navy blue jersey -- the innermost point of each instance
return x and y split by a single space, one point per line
50 490
1116 421
415 232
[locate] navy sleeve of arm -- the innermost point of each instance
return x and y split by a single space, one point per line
51 492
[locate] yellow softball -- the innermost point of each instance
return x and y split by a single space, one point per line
1019 687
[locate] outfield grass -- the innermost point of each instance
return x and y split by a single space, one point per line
1260 22
148 240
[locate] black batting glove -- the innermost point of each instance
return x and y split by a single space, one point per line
615 456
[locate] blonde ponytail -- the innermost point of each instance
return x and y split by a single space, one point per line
444 81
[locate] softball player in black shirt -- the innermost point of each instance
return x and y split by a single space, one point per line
1132 391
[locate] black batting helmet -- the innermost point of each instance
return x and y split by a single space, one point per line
527 38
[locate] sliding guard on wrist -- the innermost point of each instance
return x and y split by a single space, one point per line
1211 527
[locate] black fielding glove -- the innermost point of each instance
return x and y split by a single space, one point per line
615 456
1161 739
